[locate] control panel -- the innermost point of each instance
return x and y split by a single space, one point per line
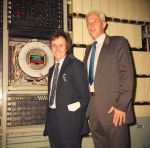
1 83
40 16
23 110
25 59
1 14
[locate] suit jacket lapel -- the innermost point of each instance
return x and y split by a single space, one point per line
66 62
50 73
103 53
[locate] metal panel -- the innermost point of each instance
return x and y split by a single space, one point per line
77 6
129 9
142 111
140 10
1 68
142 89
86 6
77 30
130 34
141 62
140 133
25 110
113 30
35 19
121 29
104 6
148 10
144 8
1 14
121 8
137 41
28 137
95 4
79 53
112 8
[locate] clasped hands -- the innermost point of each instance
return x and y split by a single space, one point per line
119 117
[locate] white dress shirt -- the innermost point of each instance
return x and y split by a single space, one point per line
53 106
100 41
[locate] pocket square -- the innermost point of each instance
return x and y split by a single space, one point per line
74 106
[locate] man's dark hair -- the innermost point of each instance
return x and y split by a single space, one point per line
60 33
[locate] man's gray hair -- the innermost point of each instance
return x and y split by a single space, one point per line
101 15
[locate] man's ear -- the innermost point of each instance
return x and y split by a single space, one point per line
104 25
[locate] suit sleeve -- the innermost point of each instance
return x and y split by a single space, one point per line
81 84
126 76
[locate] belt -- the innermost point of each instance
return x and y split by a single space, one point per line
92 93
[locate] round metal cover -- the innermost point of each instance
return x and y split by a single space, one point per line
35 59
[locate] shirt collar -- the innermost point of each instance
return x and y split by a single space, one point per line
101 38
61 61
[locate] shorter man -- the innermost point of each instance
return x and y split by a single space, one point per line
68 93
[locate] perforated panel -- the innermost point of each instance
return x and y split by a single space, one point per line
1 14
40 16
23 110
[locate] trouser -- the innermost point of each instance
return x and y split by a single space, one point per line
56 139
106 136
111 137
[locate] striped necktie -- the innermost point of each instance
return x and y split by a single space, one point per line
54 85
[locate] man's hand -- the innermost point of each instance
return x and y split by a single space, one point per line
119 117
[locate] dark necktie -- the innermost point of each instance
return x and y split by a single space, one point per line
91 66
54 85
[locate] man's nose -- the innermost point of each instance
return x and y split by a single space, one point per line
57 48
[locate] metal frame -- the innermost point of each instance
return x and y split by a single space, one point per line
5 91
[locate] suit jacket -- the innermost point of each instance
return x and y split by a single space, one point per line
72 87
114 79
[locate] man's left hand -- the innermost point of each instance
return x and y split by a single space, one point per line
119 117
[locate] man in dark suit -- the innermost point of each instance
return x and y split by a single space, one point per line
111 84
66 121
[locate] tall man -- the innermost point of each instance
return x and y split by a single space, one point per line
68 93
110 72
